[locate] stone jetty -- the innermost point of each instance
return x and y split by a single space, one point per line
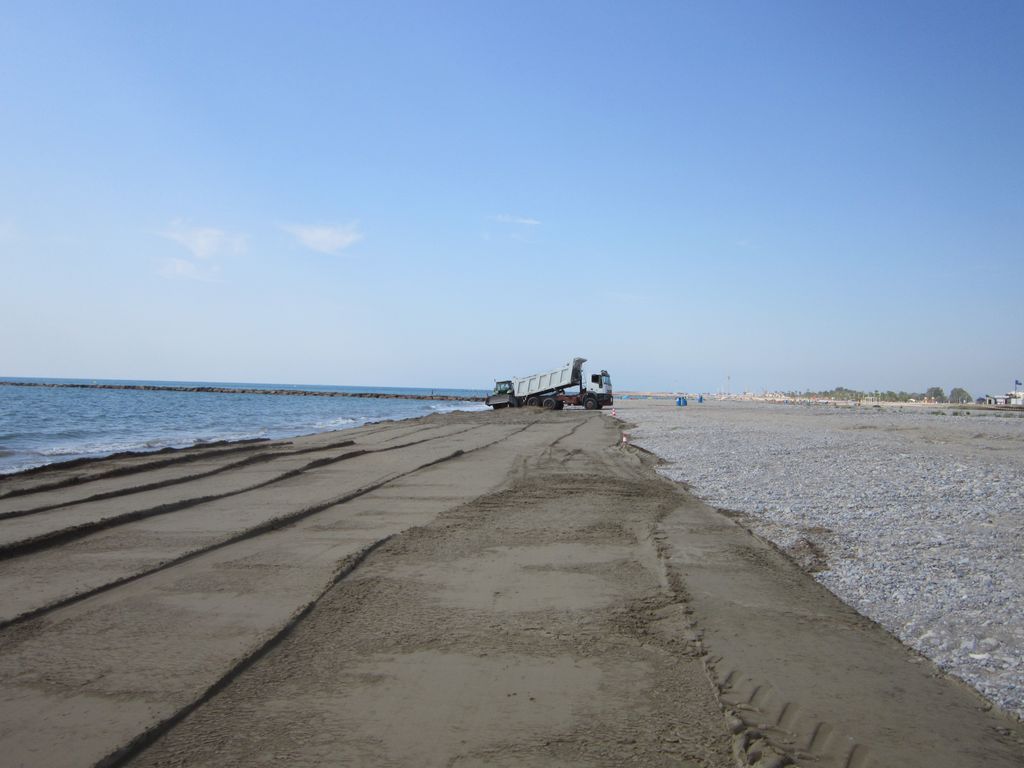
242 391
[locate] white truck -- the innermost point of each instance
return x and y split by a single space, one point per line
548 389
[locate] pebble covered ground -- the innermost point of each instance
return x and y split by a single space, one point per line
914 516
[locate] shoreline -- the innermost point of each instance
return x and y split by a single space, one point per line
167 450
53 423
171 450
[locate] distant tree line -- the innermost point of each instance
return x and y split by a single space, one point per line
935 394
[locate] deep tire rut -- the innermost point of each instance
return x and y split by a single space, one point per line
772 730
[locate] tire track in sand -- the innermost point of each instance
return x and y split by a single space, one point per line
84 488
270 525
67 474
68 533
123 755
174 480
132 462
803 678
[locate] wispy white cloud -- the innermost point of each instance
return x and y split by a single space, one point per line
182 269
506 218
329 239
204 245
204 242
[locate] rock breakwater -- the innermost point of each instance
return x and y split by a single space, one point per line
245 391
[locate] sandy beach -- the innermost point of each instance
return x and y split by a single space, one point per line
509 588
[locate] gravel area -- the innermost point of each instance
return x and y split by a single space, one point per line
914 516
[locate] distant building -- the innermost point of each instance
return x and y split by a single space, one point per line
1010 398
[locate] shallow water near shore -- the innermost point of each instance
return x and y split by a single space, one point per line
40 426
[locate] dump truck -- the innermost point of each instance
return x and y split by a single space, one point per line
548 389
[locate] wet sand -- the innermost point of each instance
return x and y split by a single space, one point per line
507 588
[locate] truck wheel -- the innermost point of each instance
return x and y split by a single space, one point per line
550 403
513 403
533 400
590 404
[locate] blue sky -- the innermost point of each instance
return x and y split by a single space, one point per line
791 195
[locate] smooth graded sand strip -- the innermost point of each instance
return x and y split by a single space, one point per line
40 580
127 659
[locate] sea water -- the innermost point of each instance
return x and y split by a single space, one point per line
42 425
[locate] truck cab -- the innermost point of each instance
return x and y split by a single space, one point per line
601 385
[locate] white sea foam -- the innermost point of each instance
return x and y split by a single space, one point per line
89 449
451 407
104 448
339 423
